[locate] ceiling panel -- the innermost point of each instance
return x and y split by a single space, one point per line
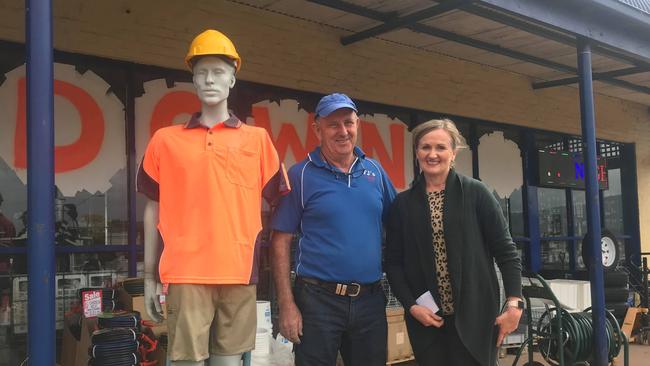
462 23
469 25
641 79
411 38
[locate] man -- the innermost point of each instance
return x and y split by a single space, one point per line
205 182
338 201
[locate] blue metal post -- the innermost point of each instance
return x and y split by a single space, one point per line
592 201
40 183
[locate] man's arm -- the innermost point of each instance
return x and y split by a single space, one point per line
152 250
290 317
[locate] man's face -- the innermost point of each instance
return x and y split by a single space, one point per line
337 132
213 78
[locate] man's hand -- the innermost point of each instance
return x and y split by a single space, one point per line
425 316
291 322
152 290
507 322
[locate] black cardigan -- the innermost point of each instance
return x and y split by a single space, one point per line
475 233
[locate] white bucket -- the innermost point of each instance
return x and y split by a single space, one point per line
262 342
264 315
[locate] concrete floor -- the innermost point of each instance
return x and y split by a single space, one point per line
639 356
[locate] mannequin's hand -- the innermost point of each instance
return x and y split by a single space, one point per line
152 289
426 316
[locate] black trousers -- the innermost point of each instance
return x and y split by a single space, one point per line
441 347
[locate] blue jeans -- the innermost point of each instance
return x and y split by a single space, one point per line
354 325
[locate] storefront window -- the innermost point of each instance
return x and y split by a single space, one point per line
500 168
555 255
90 192
552 212
90 159
613 203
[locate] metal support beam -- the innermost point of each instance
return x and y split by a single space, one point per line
425 29
421 28
546 31
608 23
592 200
40 183
598 76
405 20
356 9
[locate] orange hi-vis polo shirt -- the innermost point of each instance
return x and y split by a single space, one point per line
209 184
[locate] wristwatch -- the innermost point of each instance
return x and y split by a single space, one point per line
519 304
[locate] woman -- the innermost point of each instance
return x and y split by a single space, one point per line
442 236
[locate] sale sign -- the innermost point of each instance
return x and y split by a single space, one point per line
91 301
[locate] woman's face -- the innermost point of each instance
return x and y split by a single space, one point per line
435 153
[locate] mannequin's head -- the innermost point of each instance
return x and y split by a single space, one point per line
213 77
214 61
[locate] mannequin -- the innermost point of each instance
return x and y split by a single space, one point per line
198 220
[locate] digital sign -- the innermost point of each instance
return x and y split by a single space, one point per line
567 170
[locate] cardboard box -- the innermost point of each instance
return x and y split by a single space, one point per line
399 346
135 303
75 352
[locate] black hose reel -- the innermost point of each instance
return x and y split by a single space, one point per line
577 336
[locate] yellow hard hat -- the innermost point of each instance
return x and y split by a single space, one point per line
212 42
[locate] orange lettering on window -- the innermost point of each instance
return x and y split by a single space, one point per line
171 105
67 157
373 145
287 138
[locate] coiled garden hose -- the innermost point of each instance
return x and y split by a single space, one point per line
577 337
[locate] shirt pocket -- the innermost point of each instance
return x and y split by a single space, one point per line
243 167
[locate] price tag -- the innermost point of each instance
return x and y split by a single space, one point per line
92 303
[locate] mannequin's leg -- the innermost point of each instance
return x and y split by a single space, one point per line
231 360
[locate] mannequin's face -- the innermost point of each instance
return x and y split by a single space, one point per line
213 78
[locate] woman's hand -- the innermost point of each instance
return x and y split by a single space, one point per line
507 322
426 316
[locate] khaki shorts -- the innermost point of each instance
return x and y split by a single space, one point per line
210 319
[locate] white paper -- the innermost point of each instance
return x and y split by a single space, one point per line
426 300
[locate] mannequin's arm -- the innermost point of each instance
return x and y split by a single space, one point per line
152 250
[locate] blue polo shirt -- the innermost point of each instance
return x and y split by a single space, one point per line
338 217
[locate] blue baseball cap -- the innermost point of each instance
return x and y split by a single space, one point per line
332 102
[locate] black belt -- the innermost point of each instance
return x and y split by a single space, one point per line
343 289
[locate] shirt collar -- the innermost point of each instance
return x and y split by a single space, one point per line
232 121
317 158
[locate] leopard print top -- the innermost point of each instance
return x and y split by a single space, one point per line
440 250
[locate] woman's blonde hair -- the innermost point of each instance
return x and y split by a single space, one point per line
457 140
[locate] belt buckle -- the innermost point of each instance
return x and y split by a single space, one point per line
358 286
342 289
